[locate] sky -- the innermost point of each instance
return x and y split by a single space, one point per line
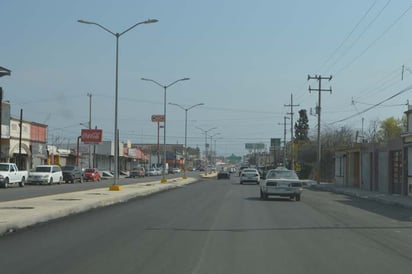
244 59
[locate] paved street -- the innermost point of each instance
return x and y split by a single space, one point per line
29 191
219 227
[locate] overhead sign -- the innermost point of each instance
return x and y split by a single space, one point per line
255 146
275 142
92 136
157 118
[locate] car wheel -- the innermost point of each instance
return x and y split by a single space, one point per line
51 181
241 182
6 183
297 197
81 179
22 182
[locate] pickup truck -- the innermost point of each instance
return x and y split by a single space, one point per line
10 175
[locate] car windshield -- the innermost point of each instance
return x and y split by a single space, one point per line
89 170
249 170
43 169
68 168
282 174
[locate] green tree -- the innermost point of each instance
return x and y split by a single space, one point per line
390 128
302 126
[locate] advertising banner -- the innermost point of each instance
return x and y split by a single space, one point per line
92 136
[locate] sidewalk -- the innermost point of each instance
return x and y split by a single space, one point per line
389 199
23 213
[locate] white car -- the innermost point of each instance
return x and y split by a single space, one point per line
249 175
47 174
281 182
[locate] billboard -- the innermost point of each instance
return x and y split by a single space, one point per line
157 118
275 142
255 146
92 136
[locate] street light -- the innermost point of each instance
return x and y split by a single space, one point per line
186 110
205 132
211 145
164 180
116 130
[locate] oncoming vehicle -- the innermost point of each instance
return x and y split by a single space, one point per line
281 182
249 175
47 174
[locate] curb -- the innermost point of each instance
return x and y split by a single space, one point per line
371 196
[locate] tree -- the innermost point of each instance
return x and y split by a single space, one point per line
302 126
390 128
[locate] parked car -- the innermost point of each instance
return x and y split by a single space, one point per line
72 174
281 182
137 172
10 175
176 170
152 172
47 174
92 174
249 175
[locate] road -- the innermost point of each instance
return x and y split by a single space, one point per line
219 227
29 191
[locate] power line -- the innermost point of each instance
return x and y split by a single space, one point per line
375 105
360 35
348 35
375 41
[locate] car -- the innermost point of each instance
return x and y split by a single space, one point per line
72 174
176 170
92 174
223 174
152 172
281 182
241 169
137 172
249 175
47 174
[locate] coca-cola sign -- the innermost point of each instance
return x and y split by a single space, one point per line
92 135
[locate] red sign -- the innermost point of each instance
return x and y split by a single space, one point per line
92 136
158 118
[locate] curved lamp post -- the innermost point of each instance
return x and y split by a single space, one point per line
164 180
186 110
116 130
205 132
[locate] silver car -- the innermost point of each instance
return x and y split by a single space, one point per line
281 182
249 175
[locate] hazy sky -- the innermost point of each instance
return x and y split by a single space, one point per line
244 59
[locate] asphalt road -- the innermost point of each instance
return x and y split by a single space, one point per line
29 191
219 227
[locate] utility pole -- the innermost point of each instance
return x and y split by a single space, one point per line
291 105
284 139
319 78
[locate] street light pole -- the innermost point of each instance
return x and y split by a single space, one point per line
116 130
205 132
90 127
164 180
211 145
186 110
